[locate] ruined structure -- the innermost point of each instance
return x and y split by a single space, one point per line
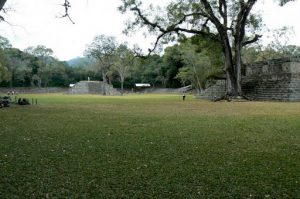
93 87
272 80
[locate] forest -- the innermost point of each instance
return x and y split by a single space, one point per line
196 60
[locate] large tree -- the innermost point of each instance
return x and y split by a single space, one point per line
123 63
102 49
44 59
4 73
39 51
172 62
224 21
200 64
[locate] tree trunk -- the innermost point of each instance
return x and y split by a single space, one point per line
105 82
11 82
122 85
2 3
232 85
238 67
46 83
198 82
104 77
122 88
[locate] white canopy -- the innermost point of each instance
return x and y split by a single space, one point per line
142 85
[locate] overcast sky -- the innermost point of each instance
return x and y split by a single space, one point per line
35 22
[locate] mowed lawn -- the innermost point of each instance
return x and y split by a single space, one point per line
149 146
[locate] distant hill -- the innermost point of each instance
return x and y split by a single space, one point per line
81 62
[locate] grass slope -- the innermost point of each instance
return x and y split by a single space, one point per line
149 146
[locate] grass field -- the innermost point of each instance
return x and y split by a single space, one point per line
149 146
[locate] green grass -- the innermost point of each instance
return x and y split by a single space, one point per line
149 146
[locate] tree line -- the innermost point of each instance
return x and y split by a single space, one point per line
108 61
197 60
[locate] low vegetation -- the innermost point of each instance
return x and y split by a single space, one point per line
149 146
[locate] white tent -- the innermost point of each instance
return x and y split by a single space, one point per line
142 85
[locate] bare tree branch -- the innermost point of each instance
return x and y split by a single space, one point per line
67 6
255 39
174 27
223 11
2 3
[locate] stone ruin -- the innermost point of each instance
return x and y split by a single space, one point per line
94 87
272 80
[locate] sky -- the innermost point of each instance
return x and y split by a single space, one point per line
38 22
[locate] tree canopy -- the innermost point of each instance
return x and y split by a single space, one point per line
233 24
102 50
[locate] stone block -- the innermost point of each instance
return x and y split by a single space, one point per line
94 87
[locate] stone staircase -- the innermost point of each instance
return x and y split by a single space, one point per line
274 90
273 80
282 88
185 89
213 92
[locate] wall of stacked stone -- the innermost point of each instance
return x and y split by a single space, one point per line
272 80
35 90
276 80
273 67
93 87
214 92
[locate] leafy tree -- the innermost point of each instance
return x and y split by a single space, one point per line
14 60
227 22
199 65
44 59
4 43
278 47
59 76
184 75
39 51
251 54
4 73
102 50
172 62
279 42
147 70
123 63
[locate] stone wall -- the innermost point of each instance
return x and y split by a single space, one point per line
276 80
23 90
273 80
93 87
214 92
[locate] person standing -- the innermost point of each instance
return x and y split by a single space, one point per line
183 96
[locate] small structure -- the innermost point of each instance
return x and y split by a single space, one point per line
185 88
142 87
93 87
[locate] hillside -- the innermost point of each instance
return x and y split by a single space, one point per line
81 62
